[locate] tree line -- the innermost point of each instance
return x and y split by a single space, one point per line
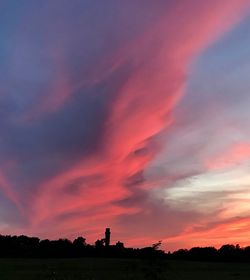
32 247
227 252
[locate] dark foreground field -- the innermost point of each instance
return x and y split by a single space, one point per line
102 269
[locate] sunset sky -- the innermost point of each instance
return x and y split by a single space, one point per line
128 114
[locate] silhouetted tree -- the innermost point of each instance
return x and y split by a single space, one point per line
80 242
79 246
119 245
156 246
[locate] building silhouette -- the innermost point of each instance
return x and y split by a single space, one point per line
107 237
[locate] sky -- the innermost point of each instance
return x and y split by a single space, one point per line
132 115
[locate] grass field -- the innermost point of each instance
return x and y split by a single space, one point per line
115 269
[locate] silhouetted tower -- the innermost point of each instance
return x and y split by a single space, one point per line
107 237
